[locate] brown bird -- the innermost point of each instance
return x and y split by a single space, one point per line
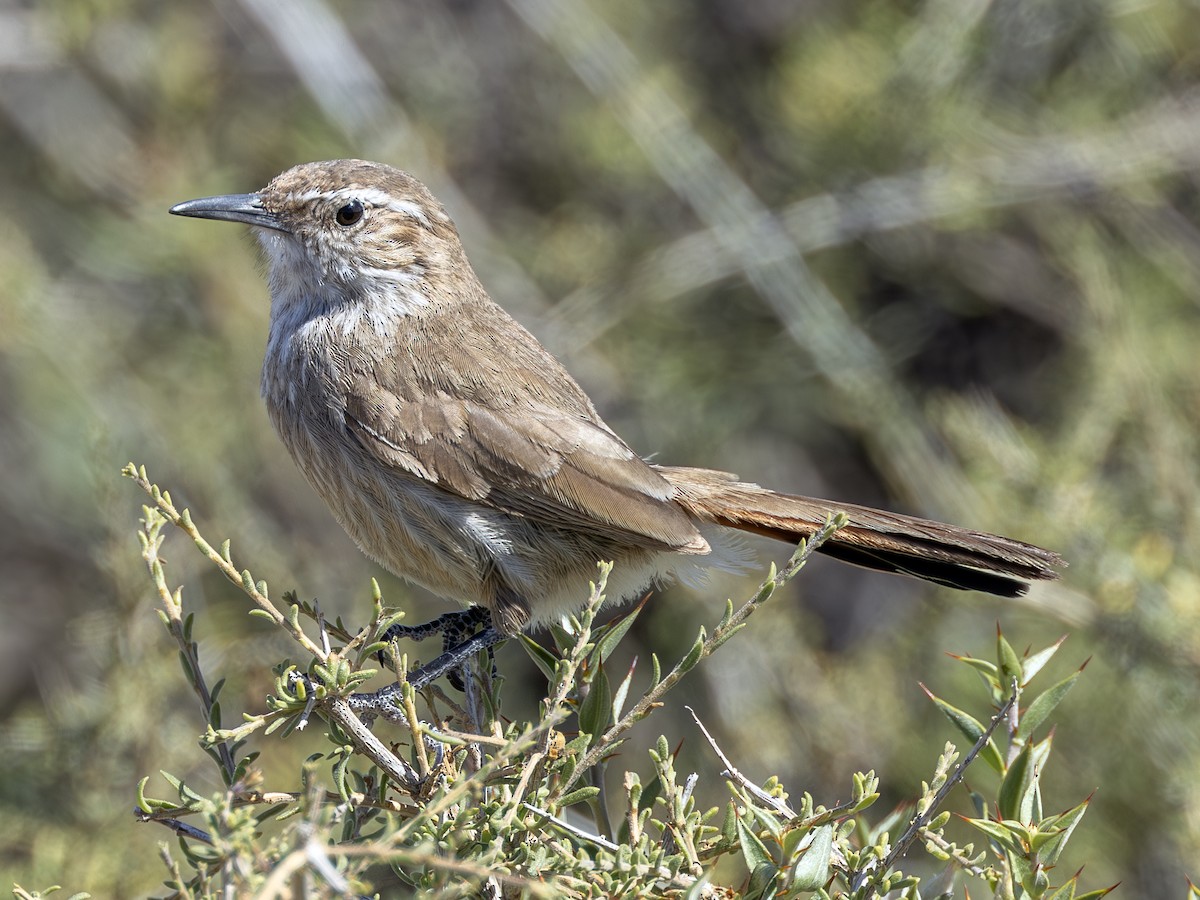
460 454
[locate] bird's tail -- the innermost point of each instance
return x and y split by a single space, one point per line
890 542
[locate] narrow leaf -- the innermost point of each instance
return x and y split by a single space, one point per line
1034 664
1044 704
543 658
758 861
596 706
1000 833
1010 663
622 691
693 655
1017 783
970 728
615 632
1067 822
813 869
579 795
1064 892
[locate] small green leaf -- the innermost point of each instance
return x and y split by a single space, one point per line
576 746
392 618
971 729
613 633
622 692
812 871
769 823
980 665
362 675
579 795
186 794
187 668
1034 664
1104 892
988 671
768 586
693 655
1010 663
1063 892
722 638
1002 834
1044 704
938 822
564 640
794 841
596 706
339 776
543 658
650 793
761 866
728 829
1066 822
1018 782
371 649
142 801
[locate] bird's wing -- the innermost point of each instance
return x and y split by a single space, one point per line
522 438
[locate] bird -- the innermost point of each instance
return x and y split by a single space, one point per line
459 453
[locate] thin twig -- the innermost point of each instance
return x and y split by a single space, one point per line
571 829
724 630
183 521
172 601
338 709
555 705
731 770
919 822
181 828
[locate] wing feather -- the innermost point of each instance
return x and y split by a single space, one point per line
531 446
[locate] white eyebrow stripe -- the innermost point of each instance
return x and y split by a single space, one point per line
370 197
410 209
307 196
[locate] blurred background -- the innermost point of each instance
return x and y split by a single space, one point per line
939 255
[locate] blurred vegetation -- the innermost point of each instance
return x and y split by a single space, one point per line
938 256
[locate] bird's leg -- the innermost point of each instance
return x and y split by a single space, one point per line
456 628
456 657
419 678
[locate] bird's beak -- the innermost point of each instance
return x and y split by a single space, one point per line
247 208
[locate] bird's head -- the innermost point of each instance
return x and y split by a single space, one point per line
345 230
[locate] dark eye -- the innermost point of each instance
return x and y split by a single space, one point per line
350 213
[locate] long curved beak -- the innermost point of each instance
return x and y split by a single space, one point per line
245 208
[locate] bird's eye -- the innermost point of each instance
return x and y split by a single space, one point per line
350 213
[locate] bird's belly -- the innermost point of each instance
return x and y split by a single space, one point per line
458 548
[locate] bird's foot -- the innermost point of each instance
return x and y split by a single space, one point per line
457 629
451 661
